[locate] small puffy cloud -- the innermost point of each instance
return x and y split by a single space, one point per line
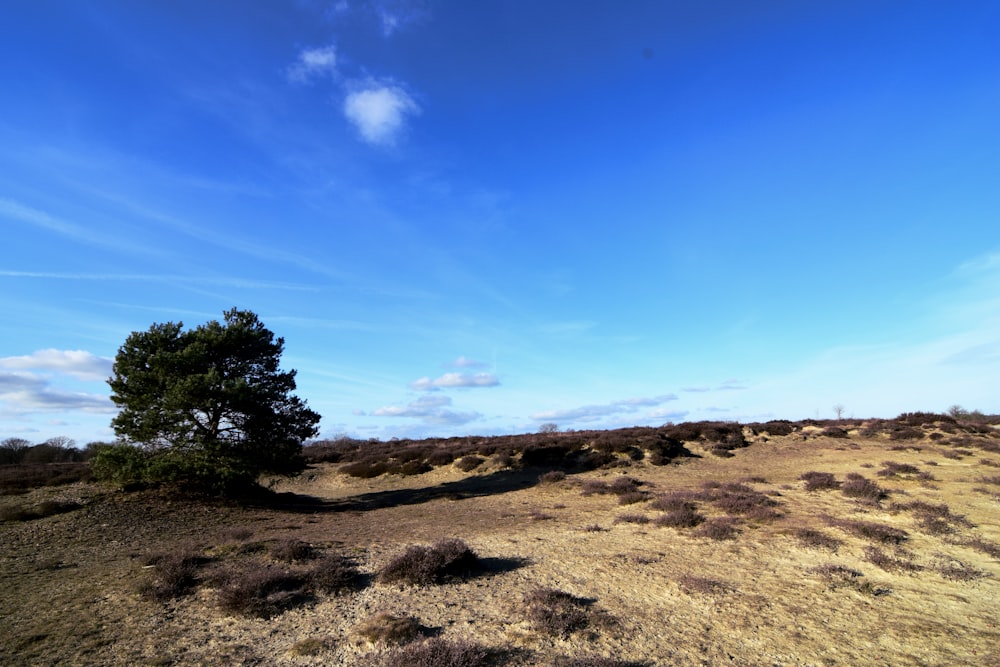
430 409
314 62
396 15
379 111
79 364
456 380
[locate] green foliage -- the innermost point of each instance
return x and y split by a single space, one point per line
209 406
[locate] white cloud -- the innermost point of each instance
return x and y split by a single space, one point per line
728 385
79 364
378 111
590 413
452 380
25 393
314 62
430 409
464 362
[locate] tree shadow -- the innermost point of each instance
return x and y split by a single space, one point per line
477 486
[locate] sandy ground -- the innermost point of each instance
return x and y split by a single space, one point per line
69 582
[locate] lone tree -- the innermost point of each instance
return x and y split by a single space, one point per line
207 406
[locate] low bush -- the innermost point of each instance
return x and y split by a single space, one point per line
870 530
632 518
722 528
556 612
390 629
19 479
676 500
551 477
260 591
291 549
437 652
470 463
632 497
597 661
174 573
420 565
684 517
335 574
810 537
893 469
857 486
889 563
957 570
817 481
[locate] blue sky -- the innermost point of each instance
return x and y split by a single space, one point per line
478 217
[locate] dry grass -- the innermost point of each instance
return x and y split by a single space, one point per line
911 578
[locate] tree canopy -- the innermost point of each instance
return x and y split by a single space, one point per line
208 405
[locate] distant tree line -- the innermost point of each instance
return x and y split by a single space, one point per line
60 449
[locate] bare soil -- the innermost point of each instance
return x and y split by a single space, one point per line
70 584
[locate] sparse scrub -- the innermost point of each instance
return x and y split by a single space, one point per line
291 549
334 573
704 585
390 629
957 570
870 530
597 661
981 545
632 497
817 481
857 486
437 652
552 477
741 500
841 576
632 518
421 565
175 573
260 591
995 479
889 563
676 500
469 463
811 537
721 528
684 517
556 612
893 469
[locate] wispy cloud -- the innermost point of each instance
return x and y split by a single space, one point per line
79 364
430 409
14 210
312 63
728 385
465 362
396 15
162 278
378 111
453 380
589 413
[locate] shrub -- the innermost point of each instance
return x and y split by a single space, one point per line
420 565
811 537
174 573
632 518
470 463
260 591
676 500
552 477
857 486
876 556
723 528
870 530
556 612
309 647
956 570
893 469
597 661
632 497
741 500
390 629
291 549
437 652
816 481
121 464
440 457
835 432
334 574
684 517
365 469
